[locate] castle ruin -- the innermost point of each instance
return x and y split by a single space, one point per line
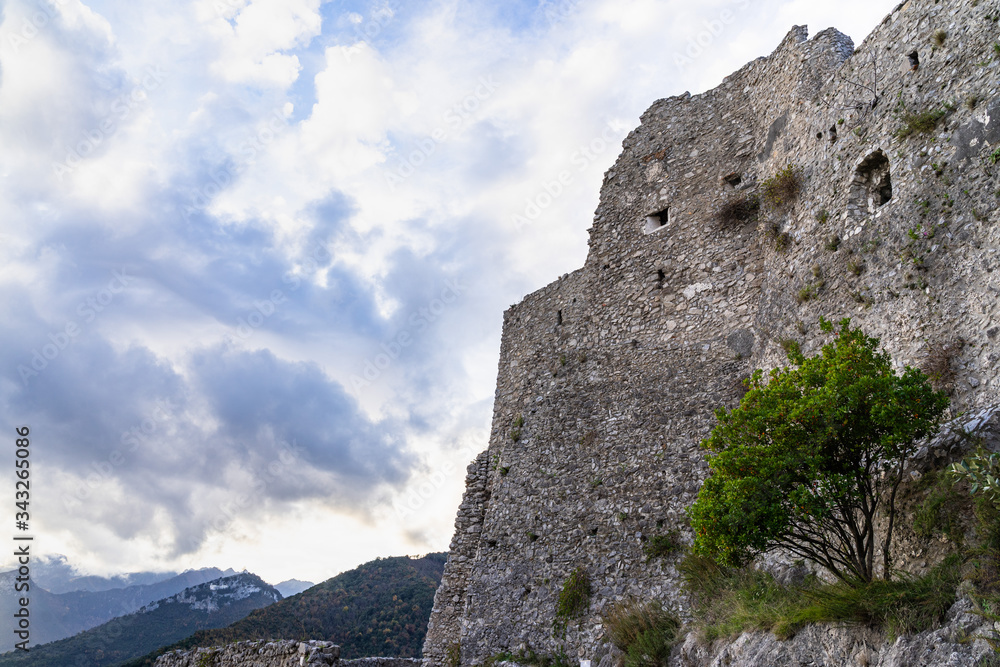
608 377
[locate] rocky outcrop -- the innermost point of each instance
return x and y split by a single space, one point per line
958 643
609 376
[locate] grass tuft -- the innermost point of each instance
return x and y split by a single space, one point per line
920 123
807 293
454 656
782 189
660 546
904 605
574 598
727 602
790 346
528 656
644 631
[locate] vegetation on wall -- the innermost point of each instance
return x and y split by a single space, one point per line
811 455
644 631
727 601
782 189
574 598
923 122
661 546
738 210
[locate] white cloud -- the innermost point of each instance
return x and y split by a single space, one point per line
429 136
252 41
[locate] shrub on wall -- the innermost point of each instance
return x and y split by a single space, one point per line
782 189
574 598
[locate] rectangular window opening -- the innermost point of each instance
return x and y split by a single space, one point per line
655 221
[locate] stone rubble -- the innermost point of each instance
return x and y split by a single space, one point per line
282 653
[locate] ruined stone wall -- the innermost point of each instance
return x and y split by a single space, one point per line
283 653
256 654
608 377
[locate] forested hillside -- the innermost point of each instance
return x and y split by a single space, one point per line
209 605
378 609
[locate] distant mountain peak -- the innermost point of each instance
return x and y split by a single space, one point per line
213 595
204 606
293 587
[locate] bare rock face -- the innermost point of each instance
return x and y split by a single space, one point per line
952 645
609 376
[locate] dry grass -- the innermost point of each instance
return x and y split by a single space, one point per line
938 364
738 211
644 631
782 189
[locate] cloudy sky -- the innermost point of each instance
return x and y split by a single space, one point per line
255 253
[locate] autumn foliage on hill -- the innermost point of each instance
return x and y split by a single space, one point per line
378 609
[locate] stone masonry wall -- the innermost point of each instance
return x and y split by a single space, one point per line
609 376
274 654
255 654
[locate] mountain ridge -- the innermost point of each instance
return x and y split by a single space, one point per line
379 608
60 615
207 605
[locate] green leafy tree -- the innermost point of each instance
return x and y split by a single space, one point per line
811 455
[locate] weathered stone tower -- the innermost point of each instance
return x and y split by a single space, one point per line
608 377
